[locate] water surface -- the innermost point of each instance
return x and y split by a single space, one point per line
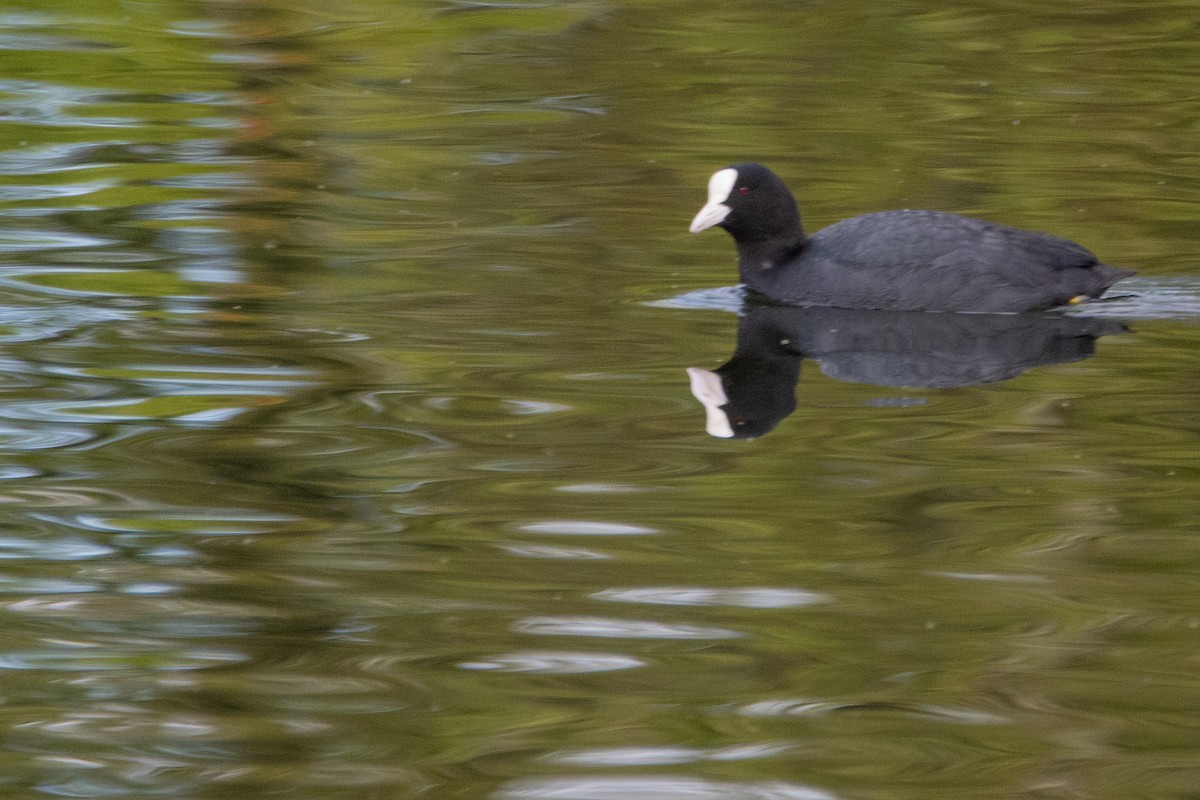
349 450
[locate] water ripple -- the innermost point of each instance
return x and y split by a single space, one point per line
95 658
47 159
1149 298
44 103
573 527
16 194
606 627
550 551
603 488
43 438
803 708
28 41
195 409
213 521
655 788
664 755
37 241
56 549
1134 298
697 596
555 663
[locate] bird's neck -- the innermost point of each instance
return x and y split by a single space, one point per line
759 260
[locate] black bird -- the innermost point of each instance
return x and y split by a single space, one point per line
897 260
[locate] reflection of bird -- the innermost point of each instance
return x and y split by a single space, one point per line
756 389
899 260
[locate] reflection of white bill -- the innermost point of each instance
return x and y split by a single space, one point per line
707 388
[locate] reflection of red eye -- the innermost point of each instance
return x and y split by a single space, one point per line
743 191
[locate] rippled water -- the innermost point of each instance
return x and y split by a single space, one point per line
349 449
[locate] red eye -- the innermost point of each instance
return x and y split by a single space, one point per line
743 191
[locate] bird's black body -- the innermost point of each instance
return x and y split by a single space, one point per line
897 260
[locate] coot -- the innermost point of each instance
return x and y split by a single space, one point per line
897 260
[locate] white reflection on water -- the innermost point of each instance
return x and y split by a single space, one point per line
992 577
35 241
655 788
23 193
587 528
1140 298
699 596
527 407
609 628
60 548
555 663
664 755
602 488
85 657
550 551
801 708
